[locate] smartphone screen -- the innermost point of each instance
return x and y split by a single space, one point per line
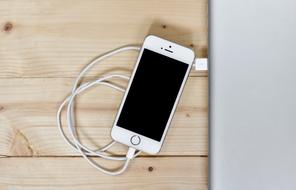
152 95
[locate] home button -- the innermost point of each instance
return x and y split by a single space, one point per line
135 140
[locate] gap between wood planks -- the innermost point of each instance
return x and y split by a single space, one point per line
77 156
200 74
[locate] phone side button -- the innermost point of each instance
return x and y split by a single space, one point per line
135 140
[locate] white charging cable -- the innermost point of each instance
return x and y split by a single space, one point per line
200 64
69 101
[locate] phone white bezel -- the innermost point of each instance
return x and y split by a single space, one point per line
168 49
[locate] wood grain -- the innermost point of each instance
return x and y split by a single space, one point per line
75 173
57 38
28 118
44 45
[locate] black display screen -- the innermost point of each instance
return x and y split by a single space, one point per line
152 94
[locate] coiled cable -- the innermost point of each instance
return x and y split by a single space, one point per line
78 88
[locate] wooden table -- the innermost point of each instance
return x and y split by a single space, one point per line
43 46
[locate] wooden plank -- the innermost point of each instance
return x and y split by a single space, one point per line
75 173
57 38
28 122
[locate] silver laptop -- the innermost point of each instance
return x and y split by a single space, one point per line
252 53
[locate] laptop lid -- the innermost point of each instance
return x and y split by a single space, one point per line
252 74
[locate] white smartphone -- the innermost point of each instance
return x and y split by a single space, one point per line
152 94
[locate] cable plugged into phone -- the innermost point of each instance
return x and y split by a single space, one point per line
200 64
130 153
